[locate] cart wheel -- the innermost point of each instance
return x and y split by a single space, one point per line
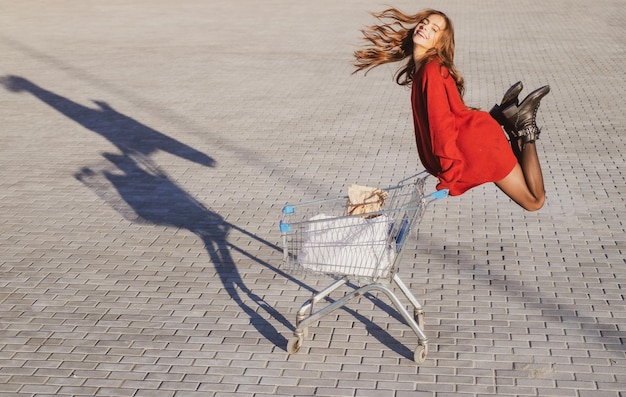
294 345
420 354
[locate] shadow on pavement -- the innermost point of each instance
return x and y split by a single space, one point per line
134 185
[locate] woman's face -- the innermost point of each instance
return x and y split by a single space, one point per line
427 33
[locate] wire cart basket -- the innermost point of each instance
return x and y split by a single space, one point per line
365 250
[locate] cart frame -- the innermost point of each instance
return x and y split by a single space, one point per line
405 206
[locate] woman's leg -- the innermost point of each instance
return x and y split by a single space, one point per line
524 184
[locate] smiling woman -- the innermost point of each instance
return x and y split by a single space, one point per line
462 147
427 33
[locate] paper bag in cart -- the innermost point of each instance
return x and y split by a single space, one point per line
365 199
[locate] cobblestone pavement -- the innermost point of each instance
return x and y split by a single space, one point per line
147 148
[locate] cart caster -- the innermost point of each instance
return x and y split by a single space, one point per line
305 331
419 319
295 344
420 354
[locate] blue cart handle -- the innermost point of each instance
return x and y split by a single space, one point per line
439 194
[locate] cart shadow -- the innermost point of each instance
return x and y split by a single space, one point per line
153 198
135 186
380 334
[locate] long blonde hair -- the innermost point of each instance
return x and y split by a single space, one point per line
392 41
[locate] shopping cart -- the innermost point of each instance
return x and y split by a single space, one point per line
363 251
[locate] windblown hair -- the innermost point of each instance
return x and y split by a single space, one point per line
392 41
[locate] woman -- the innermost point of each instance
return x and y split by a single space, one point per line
462 147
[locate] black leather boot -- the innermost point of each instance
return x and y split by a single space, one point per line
521 119
509 98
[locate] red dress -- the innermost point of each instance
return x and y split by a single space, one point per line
463 148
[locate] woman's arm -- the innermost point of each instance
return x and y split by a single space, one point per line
443 130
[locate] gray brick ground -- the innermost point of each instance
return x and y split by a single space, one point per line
144 162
